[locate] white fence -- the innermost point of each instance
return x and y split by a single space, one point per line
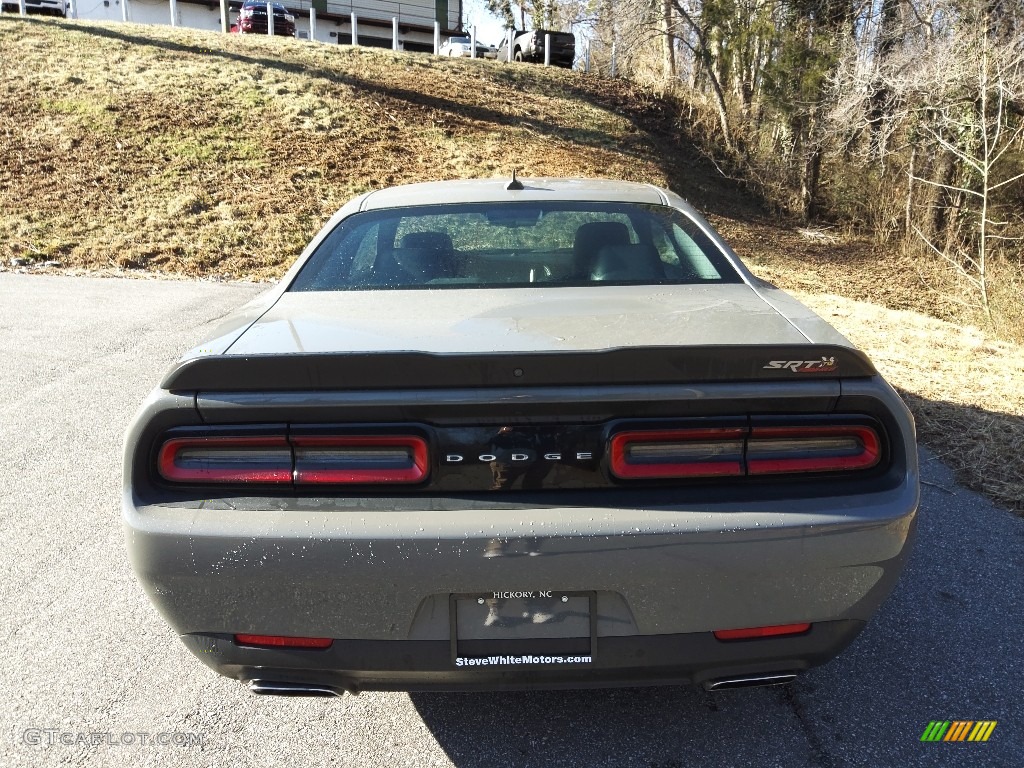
341 25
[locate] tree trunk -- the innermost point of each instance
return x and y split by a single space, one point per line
878 101
908 213
811 177
702 51
947 206
668 40
811 180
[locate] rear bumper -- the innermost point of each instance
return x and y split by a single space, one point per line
379 582
356 665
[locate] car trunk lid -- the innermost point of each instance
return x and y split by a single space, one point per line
475 321
631 335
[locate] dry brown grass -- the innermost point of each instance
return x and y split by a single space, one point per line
966 389
195 154
964 384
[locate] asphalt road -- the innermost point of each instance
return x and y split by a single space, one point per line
85 658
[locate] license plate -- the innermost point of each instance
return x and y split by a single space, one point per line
512 629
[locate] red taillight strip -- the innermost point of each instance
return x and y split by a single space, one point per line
723 438
795 439
754 632
412 466
280 641
302 459
170 465
757 451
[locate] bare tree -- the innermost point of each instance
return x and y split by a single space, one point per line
978 124
668 24
698 40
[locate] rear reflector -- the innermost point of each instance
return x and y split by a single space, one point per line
677 453
359 459
226 460
753 632
278 641
773 450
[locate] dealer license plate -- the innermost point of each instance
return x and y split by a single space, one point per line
512 629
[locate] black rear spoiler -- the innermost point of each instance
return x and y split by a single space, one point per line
422 370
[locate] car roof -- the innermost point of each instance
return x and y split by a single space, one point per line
496 190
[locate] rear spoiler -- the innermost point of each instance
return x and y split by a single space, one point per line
423 370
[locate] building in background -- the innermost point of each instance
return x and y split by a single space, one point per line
333 19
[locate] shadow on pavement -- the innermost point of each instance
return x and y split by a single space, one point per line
664 727
945 646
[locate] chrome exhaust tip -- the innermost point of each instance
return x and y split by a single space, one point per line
275 688
750 681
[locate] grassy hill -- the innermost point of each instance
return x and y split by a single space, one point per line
196 152
126 148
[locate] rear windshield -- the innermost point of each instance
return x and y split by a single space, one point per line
509 245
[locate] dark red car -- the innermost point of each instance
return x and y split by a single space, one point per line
252 19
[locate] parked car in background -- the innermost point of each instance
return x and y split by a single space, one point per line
529 46
494 434
48 7
463 46
252 19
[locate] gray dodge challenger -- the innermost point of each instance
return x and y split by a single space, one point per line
512 434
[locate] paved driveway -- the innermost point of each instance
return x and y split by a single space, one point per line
85 657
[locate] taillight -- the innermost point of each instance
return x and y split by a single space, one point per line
359 459
814 446
774 450
324 459
677 453
226 460
279 641
778 630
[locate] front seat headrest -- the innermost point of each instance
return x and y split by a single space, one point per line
436 241
593 236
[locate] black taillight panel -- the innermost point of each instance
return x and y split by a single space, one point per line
410 458
276 455
360 459
653 454
756 447
223 459
840 444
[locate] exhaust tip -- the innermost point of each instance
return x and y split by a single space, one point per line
750 681
275 688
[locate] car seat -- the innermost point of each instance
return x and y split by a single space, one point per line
634 263
589 240
419 258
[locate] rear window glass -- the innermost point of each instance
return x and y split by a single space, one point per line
508 245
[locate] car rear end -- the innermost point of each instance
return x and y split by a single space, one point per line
563 47
332 520
484 487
